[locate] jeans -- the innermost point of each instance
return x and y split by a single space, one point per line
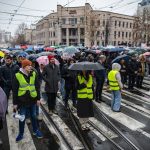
23 111
116 100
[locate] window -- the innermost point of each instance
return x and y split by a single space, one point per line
98 33
115 23
119 34
82 31
72 21
122 34
115 34
54 34
123 24
126 34
103 23
119 23
98 22
127 25
114 43
63 21
82 20
130 25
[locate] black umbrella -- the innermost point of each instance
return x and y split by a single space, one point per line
86 66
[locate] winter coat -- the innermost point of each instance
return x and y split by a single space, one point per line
7 74
51 76
100 74
25 100
69 77
132 67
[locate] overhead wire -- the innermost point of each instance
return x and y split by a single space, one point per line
8 4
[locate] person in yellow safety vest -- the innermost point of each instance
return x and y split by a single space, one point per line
115 86
84 98
26 96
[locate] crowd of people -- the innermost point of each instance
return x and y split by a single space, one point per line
25 78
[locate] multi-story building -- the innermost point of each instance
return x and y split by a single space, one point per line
5 36
142 24
83 25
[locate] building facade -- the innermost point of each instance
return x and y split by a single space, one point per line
5 36
142 24
83 25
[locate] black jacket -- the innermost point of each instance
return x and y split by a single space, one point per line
25 100
7 74
132 67
69 76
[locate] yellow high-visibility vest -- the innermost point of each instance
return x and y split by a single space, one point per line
24 86
113 83
86 92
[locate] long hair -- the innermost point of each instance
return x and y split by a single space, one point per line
87 75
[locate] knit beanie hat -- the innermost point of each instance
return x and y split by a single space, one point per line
25 63
50 57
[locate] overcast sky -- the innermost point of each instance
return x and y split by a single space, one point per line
128 7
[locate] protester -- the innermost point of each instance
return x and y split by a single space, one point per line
84 98
141 71
51 76
70 83
100 76
123 71
132 71
7 74
26 96
115 85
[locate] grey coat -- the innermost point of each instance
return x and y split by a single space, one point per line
51 76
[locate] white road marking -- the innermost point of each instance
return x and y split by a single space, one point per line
13 129
120 117
137 97
128 104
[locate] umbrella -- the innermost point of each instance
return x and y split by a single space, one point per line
118 58
5 51
147 54
3 103
44 60
71 50
46 53
2 54
86 66
49 49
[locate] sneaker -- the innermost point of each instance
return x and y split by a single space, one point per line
50 112
28 121
38 134
1 142
55 112
40 117
19 137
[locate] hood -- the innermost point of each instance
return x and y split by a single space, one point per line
116 66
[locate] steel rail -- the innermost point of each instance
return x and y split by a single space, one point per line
55 127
